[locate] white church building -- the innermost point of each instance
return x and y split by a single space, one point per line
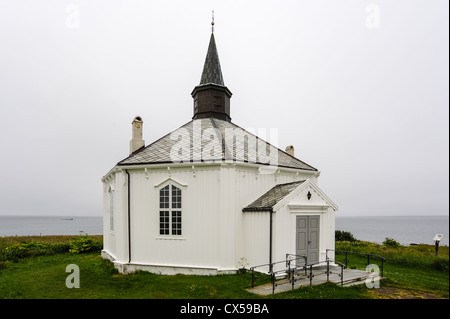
211 197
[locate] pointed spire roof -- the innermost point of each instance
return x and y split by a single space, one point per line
211 96
212 72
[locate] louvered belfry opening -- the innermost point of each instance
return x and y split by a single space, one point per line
211 96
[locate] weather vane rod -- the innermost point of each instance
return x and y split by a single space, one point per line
212 22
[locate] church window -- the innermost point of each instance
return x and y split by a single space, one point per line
170 210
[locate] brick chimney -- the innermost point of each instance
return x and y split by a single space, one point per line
290 150
136 141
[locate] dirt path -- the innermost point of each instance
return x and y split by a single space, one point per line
396 293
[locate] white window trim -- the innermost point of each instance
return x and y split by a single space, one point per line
170 182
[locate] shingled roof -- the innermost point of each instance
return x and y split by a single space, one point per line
267 201
213 134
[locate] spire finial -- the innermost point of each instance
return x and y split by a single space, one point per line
212 22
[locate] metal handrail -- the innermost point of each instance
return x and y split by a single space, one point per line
358 253
290 271
270 272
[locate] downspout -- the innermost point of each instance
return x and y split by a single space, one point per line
270 239
129 217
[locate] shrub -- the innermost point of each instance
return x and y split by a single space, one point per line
81 244
440 264
30 249
391 243
340 235
84 244
3 265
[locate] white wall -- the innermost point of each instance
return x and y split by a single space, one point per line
216 233
299 205
198 245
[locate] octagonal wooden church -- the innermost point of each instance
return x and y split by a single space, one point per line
211 197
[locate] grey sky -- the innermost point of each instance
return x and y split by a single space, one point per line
360 88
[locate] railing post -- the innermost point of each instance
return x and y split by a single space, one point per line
310 275
328 270
293 278
306 265
342 276
273 283
253 277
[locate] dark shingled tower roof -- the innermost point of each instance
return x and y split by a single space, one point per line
212 72
211 96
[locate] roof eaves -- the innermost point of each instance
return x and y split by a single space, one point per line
258 209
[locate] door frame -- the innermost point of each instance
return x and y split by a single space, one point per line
309 239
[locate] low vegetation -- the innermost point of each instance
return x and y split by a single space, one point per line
413 268
35 267
21 247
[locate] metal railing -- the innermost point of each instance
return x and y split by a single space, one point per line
346 252
291 270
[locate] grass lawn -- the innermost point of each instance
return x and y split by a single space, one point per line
44 276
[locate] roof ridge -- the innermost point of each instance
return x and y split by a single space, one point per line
284 184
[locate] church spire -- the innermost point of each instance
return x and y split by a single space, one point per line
212 72
211 96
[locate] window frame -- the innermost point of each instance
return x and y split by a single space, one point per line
170 210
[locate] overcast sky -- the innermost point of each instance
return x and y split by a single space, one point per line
360 88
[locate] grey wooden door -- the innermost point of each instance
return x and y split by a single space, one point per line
307 237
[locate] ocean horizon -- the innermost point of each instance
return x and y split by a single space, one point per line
404 229
50 225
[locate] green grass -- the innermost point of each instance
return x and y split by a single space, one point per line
414 268
44 276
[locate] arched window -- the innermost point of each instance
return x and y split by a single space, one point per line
170 210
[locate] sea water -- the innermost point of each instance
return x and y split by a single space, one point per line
404 229
50 225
